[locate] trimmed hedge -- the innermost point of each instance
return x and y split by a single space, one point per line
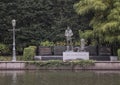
29 53
118 52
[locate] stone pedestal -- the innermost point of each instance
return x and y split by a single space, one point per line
75 55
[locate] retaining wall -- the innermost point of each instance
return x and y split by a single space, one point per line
21 65
10 65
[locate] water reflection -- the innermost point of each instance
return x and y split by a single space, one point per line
14 78
59 78
9 77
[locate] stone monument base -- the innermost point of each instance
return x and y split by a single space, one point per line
75 55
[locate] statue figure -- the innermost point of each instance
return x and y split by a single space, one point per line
82 44
69 34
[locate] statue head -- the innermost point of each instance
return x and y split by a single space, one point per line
68 28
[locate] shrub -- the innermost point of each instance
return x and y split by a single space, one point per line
60 43
83 63
57 63
1 58
46 43
4 49
29 53
54 62
5 58
118 52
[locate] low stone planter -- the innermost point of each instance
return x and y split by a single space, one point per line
58 50
44 50
92 50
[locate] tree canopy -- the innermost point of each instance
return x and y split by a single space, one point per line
106 18
38 20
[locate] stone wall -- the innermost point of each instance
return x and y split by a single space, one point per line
21 65
8 65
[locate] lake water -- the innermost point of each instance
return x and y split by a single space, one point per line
59 78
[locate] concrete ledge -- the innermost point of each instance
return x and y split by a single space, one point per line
9 65
22 65
107 65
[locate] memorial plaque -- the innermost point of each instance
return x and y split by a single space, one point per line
58 50
104 51
75 55
45 51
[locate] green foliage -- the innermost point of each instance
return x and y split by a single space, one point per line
38 20
58 43
85 6
9 58
5 58
4 49
2 59
53 63
86 34
77 43
118 51
29 53
83 63
57 63
47 43
106 19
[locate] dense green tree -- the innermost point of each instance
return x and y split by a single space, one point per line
105 20
38 20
